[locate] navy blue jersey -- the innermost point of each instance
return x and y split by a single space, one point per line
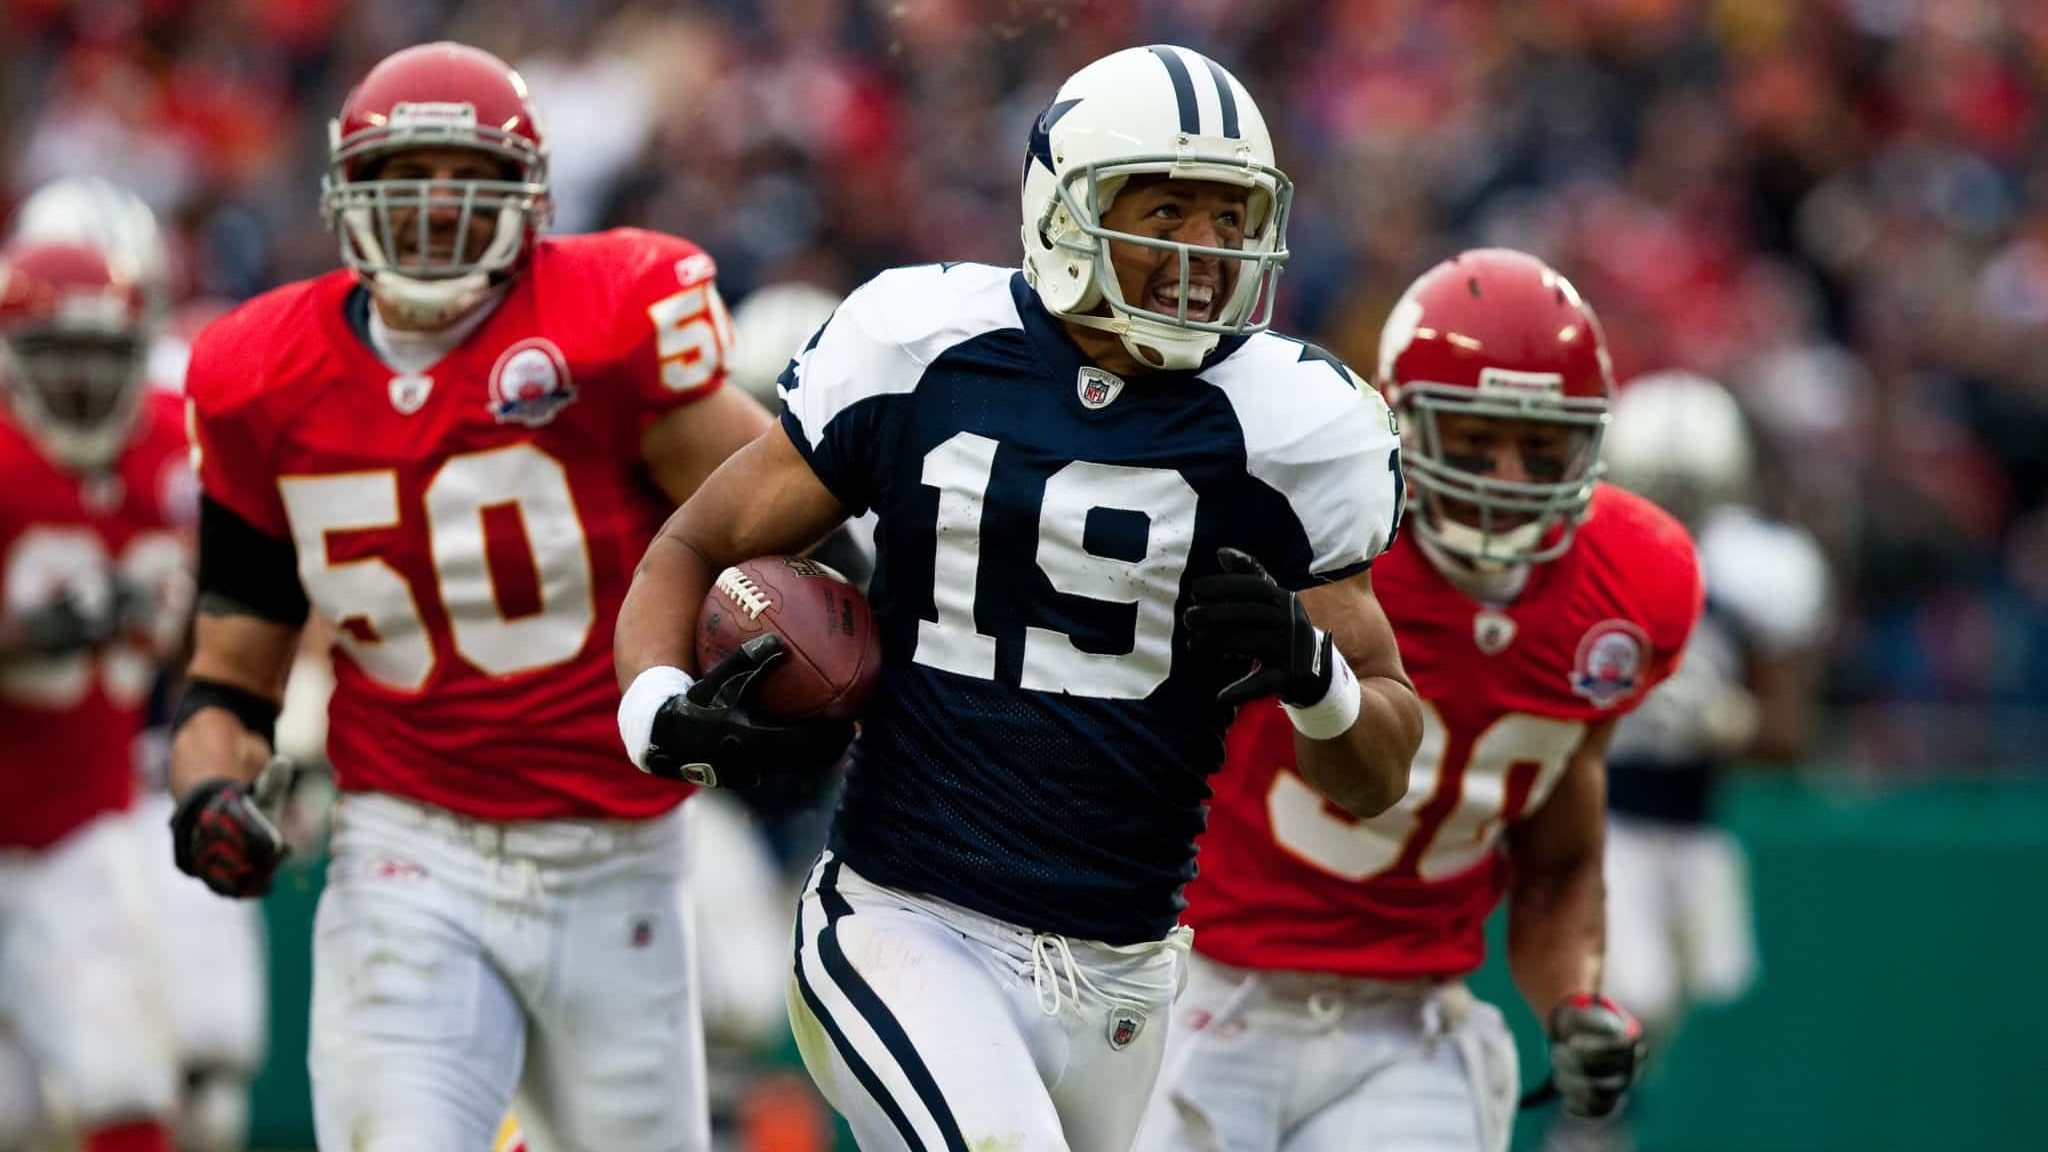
1037 748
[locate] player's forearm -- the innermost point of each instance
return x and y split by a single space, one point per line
232 689
659 615
214 744
763 501
1557 933
1364 770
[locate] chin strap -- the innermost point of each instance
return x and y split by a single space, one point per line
1492 581
430 304
1161 347
92 449
436 303
1468 542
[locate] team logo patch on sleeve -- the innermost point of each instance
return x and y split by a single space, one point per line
530 383
1610 662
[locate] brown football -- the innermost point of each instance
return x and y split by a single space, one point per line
835 654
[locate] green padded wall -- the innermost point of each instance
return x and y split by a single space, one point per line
1903 1005
1904 996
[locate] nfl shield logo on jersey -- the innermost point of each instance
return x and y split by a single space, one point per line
1098 388
409 392
1493 631
530 383
1610 662
1124 1025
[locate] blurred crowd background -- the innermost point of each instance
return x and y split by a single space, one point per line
1840 207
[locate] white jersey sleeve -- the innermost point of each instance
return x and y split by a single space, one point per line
1769 576
1325 440
877 345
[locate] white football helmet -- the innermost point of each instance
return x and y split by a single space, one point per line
109 219
1164 110
1679 439
770 326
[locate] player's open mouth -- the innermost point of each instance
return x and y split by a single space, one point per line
1165 298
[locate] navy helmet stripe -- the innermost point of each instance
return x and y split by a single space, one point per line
871 1007
1224 96
1183 88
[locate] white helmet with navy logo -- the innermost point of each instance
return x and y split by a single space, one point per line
1679 438
1162 110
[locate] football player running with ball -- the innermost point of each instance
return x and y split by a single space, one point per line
1110 507
1534 606
454 451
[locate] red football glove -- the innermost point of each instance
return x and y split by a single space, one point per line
220 834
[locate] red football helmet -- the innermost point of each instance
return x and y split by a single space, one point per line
1498 334
73 343
411 239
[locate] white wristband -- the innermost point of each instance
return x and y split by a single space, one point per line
1337 711
648 692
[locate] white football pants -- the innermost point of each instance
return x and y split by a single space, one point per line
933 1028
459 962
1679 926
1298 1062
214 956
79 981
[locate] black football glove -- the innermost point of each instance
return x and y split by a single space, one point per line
1242 614
63 626
220 834
140 610
1596 1048
706 735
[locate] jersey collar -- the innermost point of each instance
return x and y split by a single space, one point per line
1066 358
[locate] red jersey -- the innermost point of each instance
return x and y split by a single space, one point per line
470 530
71 721
1290 882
